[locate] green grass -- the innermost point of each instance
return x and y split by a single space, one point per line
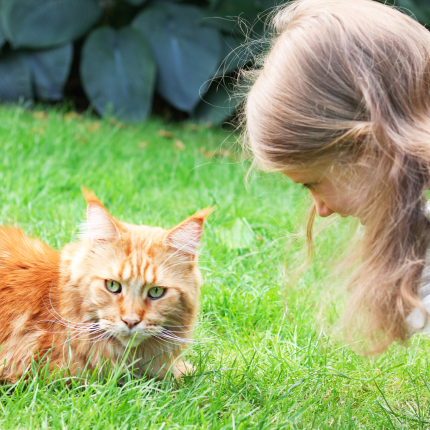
257 366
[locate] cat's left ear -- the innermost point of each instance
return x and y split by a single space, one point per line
101 226
186 236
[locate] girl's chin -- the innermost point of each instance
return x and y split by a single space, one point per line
361 219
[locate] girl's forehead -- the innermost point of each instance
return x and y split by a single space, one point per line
303 176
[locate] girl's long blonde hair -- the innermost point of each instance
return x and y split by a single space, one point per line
347 82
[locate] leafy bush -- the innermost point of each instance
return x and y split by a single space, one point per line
125 51
419 9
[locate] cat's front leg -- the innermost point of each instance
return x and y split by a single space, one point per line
182 368
179 369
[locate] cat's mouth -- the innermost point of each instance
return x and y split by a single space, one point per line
132 338
127 337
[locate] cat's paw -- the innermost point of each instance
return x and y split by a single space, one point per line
183 368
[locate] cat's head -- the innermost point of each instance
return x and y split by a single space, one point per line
134 282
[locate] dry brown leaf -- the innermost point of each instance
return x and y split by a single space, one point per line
41 114
165 133
217 153
223 152
38 130
113 121
206 152
191 126
81 138
93 126
73 115
180 145
143 144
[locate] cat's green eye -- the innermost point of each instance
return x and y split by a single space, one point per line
156 292
113 286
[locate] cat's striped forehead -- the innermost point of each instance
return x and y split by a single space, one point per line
132 268
141 254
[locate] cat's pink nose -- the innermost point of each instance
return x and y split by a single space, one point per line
131 321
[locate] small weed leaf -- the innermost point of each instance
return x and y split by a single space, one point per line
239 236
296 384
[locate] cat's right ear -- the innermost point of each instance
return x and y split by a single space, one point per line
100 225
185 237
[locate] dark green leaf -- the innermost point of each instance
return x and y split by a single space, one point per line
50 69
217 105
187 53
118 73
15 78
417 8
238 14
270 4
423 4
2 35
136 2
47 23
421 10
234 55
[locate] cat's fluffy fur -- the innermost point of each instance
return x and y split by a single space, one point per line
56 306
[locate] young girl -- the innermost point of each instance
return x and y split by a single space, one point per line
341 105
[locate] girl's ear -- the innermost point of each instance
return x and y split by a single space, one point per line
185 237
100 225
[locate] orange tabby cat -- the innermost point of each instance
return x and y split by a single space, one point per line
82 307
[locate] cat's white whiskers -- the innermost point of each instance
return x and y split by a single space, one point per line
77 336
183 325
100 337
163 344
171 337
57 315
70 328
181 331
68 340
174 342
89 326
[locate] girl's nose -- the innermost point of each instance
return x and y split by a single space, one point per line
322 209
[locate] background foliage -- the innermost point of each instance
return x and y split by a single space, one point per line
120 54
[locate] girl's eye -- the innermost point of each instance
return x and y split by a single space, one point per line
156 292
309 186
113 286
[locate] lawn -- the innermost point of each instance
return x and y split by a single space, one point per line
257 366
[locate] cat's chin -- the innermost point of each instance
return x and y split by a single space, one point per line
131 340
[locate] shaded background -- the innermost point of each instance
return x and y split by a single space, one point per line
127 59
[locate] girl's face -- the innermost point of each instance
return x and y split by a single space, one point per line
333 191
